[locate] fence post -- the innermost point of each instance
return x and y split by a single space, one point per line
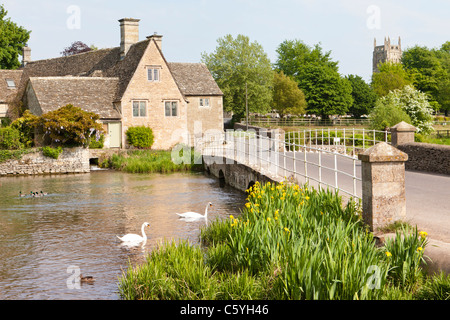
402 133
383 185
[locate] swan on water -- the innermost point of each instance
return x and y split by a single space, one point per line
135 238
194 215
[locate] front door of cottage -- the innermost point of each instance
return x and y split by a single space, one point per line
114 131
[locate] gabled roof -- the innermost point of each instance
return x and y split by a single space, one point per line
92 94
7 93
194 79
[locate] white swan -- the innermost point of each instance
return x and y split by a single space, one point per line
194 215
135 238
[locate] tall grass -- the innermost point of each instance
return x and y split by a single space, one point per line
289 242
148 161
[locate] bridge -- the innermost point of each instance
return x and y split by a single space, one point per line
337 159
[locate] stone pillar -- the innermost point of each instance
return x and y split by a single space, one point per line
402 133
383 185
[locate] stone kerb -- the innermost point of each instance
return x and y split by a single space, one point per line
402 133
383 185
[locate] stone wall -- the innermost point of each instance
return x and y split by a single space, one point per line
72 160
427 157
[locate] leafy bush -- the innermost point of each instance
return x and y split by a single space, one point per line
97 144
386 114
52 152
25 125
10 139
140 137
69 126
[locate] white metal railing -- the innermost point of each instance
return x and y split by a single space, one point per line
299 122
285 159
346 141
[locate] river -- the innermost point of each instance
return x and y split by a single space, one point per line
45 242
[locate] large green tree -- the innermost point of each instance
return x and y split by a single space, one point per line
326 91
241 69
431 69
287 97
364 97
12 39
391 76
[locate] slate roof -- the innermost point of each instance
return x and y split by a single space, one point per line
92 94
191 78
194 79
8 94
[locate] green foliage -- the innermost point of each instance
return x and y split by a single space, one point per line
235 63
287 97
10 139
326 92
13 154
364 97
69 126
411 102
390 76
25 125
146 161
140 137
431 69
12 39
436 287
387 114
97 144
52 152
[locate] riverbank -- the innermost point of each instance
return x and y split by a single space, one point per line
290 242
149 161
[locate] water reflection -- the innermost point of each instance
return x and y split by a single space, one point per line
77 224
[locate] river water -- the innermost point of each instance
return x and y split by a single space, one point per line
45 242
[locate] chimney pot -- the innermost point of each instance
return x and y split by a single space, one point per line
157 38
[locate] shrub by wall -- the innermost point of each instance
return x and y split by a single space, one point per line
10 139
140 137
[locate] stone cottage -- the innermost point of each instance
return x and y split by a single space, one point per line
130 85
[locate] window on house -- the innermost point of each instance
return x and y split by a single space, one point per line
171 108
153 74
204 102
139 108
10 83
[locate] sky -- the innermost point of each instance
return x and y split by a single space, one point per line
347 28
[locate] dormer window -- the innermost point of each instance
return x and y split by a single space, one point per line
10 83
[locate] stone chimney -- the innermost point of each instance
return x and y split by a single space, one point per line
129 34
157 38
26 55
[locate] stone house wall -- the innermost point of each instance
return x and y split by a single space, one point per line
72 160
155 94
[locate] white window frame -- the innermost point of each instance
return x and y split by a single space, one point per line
204 103
139 108
152 71
9 82
171 102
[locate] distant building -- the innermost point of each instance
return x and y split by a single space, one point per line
386 53
129 85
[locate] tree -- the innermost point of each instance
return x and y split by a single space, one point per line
326 92
387 114
391 76
294 56
364 97
237 63
75 48
287 97
431 68
12 39
69 126
413 102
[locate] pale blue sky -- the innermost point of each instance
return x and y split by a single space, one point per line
190 27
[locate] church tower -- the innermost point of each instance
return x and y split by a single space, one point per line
386 52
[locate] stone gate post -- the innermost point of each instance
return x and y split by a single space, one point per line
383 185
402 133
